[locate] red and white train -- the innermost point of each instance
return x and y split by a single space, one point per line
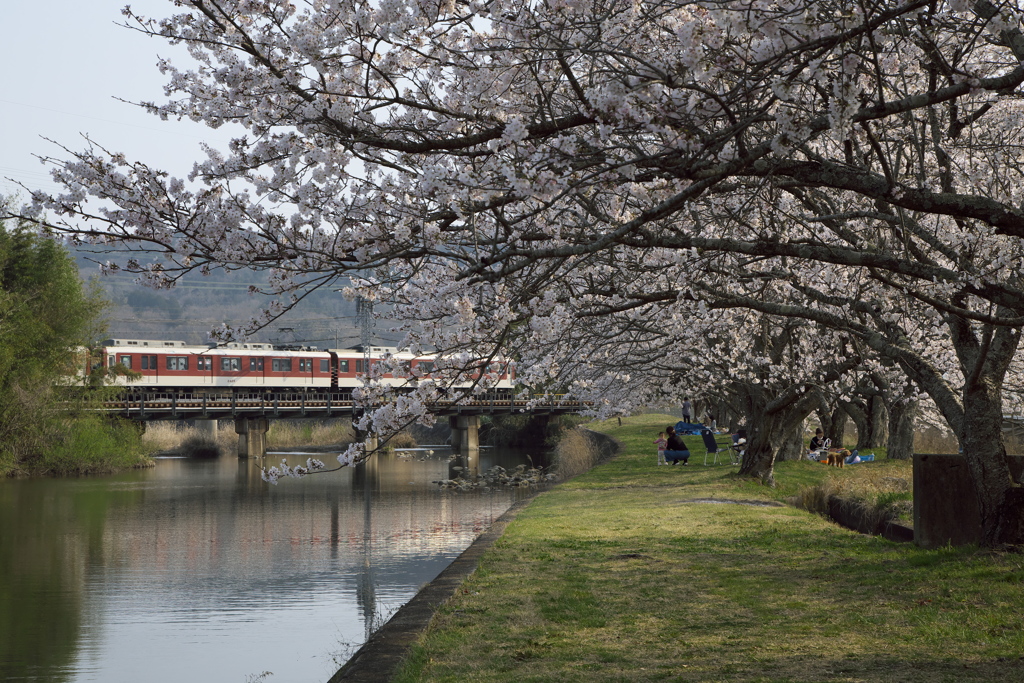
177 365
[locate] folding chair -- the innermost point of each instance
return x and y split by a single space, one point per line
738 446
711 447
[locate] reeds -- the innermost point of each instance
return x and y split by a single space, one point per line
172 436
292 433
190 440
935 440
881 495
402 439
575 454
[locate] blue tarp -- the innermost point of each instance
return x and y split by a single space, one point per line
688 428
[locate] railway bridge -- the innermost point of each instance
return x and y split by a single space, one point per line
253 410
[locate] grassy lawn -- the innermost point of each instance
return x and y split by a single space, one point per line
634 572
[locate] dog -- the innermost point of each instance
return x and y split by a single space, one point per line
838 457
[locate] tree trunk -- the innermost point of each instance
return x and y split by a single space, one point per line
836 430
1000 501
902 417
759 459
770 421
792 445
861 421
879 427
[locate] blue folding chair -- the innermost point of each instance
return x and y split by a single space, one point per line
711 446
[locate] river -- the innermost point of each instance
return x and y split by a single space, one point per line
197 570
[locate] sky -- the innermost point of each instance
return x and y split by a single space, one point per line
66 63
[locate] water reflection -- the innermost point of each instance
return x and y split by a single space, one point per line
199 569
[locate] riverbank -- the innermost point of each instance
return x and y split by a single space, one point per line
76 446
642 573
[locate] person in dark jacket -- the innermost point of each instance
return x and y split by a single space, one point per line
676 449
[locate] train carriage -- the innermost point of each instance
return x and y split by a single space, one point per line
175 365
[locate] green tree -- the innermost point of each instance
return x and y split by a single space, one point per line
47 319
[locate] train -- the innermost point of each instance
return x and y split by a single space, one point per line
175 365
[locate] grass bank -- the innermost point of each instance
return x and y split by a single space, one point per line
634 572
76 445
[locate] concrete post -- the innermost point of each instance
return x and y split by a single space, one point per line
368 438
252 436
456 440
371 442
945 507
466 443
207 428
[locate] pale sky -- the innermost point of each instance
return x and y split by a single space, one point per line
64 64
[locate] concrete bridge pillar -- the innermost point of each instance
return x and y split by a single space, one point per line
368 438
466 444
207 428
252 436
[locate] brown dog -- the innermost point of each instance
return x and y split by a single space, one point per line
836 458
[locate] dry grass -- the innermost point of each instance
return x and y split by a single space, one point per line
574 455
201 446
176 436
402 440
292 433
883 490
935 440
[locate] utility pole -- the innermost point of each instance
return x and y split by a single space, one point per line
364 311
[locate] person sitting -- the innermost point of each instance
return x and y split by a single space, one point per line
818 440
819 445
676 448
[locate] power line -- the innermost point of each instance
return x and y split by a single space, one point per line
217 321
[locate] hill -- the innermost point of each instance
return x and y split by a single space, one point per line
200 303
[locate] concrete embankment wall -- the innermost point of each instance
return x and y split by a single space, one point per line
856 517
945 507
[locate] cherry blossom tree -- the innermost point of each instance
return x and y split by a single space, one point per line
499 169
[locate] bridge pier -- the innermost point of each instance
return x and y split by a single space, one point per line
369 439
207 428
466 443
252 436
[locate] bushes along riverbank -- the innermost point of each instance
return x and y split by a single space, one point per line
633 572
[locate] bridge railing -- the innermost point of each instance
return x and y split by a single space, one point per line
189 405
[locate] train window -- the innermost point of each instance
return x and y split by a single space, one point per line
359 366
204 363
426 366
126 361
177 362
149 362
305 364
230 364
325 365
256 364
342 366
282 365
